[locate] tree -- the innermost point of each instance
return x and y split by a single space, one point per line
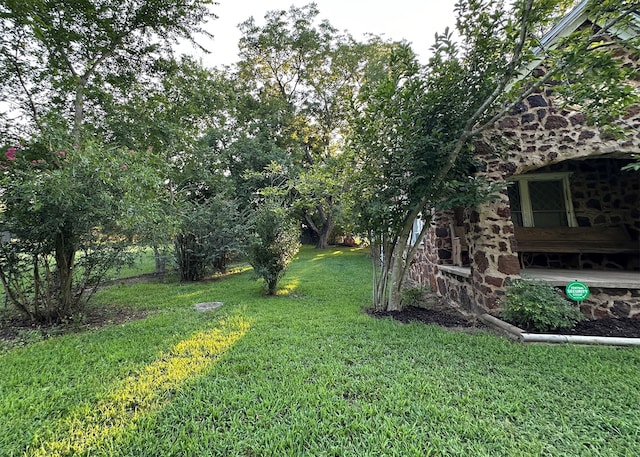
177 116
275 243
414 139
72 57
67 212
308 74
211 232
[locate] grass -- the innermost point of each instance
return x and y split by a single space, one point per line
307 373
144 263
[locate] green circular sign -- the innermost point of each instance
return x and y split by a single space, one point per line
577 291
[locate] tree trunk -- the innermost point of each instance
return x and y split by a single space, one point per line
191 261
389 297
272 286
397 258
394 298
78 113
383 257
64 254
324 233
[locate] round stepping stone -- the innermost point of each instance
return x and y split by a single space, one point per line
207 306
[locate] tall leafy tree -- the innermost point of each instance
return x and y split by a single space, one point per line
65 65
183 117
414 138
70 56
309 74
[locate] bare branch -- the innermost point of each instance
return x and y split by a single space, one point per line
27 92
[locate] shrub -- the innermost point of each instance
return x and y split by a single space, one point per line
275 244
67 212
538 306
414 296
212 232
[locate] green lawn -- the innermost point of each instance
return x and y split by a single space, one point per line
307 373
143 263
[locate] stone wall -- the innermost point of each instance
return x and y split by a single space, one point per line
538 136
603 303
492 251
419 275
434 251
602 194
456 289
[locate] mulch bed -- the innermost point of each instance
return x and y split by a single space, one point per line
450 318
454 319
622 327
12 326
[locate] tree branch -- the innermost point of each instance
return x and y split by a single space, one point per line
30 102
548 75
468 130
310 222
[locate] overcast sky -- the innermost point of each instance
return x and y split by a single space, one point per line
416 21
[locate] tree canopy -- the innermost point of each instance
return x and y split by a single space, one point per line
72 57
309 75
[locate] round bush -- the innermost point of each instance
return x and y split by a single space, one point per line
538 306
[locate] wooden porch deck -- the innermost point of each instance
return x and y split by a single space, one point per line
609 279
593 278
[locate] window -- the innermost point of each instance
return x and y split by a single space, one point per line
417 229
541 200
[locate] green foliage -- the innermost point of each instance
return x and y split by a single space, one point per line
275 244
414 296
472 191
76 57
301 78
538 306
389 144
634 165
211 234
172 111
211 226
68 211
250 161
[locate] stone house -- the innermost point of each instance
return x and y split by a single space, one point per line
569 212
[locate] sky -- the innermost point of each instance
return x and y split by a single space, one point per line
416 21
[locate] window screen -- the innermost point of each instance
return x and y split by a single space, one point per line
547 203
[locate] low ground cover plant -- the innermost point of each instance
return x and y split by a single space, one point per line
538 306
